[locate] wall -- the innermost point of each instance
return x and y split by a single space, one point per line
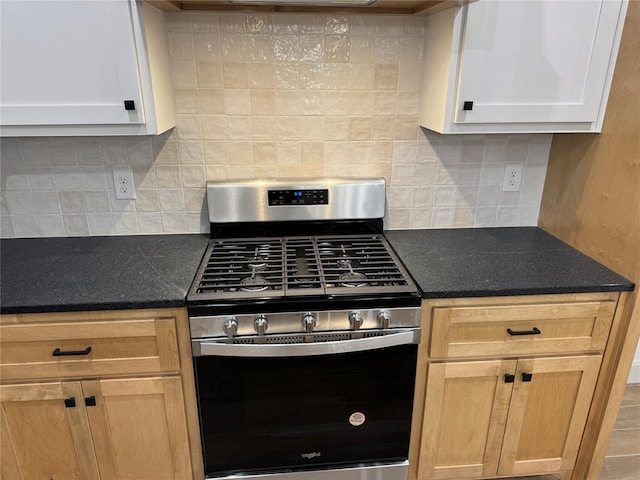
275 95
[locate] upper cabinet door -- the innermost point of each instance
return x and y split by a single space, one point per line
520 66
70 68
535 61
69 62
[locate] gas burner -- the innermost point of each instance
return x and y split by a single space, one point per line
302 282
260 258
344 263
350 279
326 249
254 283
258 262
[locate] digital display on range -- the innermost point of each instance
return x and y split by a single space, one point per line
298 197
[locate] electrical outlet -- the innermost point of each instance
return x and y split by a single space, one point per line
512 178
123 184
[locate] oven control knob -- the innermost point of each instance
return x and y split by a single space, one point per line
355 320
260 324
384 318
230 327
308 322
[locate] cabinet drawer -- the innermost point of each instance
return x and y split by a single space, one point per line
80 349
520 329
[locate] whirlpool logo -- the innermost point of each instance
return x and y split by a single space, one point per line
311 455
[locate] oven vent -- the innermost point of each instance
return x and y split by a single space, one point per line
275 340
295 339
285 340
373 334
332 337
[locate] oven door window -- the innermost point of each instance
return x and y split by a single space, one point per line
270 414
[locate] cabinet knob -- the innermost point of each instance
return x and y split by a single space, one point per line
129 105
70 402
467 106
526 377
508 378
90 401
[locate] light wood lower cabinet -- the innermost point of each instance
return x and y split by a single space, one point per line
505 417
464 422
135 421
109 429
547 413
71 349
139 428
45 433
508 384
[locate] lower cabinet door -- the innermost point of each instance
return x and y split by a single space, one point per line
466 409
139 428
45 433
549 407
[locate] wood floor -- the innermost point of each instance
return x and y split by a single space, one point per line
623 457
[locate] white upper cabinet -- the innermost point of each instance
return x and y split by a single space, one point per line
520 66
73 67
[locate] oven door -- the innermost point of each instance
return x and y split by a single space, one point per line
346 405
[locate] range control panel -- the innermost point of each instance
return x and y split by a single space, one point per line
298 197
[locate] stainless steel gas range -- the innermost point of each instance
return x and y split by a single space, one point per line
304 327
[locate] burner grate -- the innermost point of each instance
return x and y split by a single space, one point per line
303 275
356 262
299 266
242 266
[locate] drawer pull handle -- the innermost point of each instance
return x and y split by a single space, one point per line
526 377
514 333
90 401
70 402
73 353
508 378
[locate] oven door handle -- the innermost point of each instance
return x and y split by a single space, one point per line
203 348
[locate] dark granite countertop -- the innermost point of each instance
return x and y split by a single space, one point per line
478 262
97 273
155 271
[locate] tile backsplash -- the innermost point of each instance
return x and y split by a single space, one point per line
275 95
